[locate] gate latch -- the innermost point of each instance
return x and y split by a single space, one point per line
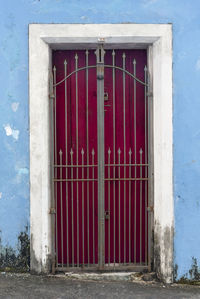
107 215
52 211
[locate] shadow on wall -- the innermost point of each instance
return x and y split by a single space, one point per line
16 260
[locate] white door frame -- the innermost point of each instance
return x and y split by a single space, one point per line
158 40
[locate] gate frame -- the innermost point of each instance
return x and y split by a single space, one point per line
157 39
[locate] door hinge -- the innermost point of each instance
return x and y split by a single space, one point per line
52 211
150 209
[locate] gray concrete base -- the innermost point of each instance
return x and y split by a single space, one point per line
26 286
116 276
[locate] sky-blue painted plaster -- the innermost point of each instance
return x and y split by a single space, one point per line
14 153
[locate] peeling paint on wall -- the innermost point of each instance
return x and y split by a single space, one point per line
163 266
11 132
198 64
150 2
23 171
14 106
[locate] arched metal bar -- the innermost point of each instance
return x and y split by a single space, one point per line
106 65
128 73
75 71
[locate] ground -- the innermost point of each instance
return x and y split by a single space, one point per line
32 286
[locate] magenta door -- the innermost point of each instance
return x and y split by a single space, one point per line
83 236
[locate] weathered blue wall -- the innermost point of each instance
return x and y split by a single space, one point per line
14 129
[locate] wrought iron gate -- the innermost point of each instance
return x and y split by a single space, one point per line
100 169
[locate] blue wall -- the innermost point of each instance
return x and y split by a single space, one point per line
14 129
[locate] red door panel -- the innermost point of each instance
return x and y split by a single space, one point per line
127 213
82 196
76 146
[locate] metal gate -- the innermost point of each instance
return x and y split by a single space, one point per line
100 145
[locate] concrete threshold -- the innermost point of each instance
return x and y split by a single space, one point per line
114 276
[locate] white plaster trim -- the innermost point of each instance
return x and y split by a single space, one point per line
43 37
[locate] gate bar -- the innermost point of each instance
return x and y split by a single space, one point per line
119 212
87 144
51 96
77 151
150 171
93 153
72 207
105 66
114 200
83 211
141 153
100 129
124 129
109 152
55 160
130 156
146 157
135 155
61 207
66 162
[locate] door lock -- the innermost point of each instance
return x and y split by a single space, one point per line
105 96
107 215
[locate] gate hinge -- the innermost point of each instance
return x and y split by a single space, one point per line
52 211
150 209
51 96
150 94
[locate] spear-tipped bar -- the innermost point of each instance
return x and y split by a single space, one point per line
109 153
83 210
135 155
93 201
130 157
87 145
100 128
114 169
61 207
77 149
119 153
141 153
66 161
145 158
124 133
55 160
72 205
